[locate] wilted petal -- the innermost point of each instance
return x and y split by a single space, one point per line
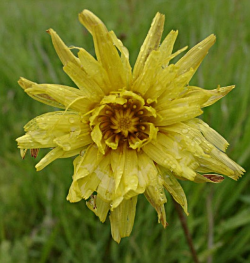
156 197
173 187
98 206
122 219
211 178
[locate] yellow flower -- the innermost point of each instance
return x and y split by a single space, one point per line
135 132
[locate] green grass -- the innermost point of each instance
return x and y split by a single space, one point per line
37 224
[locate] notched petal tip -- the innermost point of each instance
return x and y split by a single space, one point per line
25 83
49 30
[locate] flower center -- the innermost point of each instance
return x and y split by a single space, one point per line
123 118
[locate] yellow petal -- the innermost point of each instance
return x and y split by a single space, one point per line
73 141
194 56
161 156
175 87
212 95
73 67
89 171
87 162
97 137
148 75
124 58
62 50
94 70
191 140
147 172
204 143
117 165
163 84
102 208
58 121
210 134
88 85
44 129
235 170
89 20
166 48
35 139
55 154
186 160
98 206
58 96
150 78
130 178
151 42
173 187
106 52
106 188
156 197
125 169
122 219
177 113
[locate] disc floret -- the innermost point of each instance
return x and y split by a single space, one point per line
123 117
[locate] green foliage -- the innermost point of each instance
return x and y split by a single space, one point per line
37 224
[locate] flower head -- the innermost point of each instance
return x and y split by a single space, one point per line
135 132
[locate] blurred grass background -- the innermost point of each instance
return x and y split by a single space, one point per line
37 224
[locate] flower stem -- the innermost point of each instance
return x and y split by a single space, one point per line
186 231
